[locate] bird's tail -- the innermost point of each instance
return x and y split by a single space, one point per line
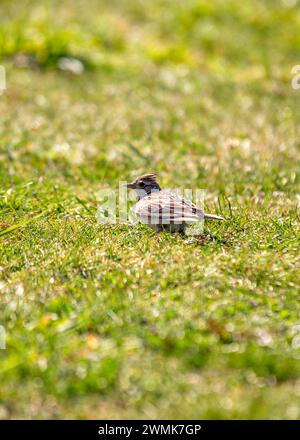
214 217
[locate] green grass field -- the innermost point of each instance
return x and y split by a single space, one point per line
113 321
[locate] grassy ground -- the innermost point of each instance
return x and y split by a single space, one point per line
113 321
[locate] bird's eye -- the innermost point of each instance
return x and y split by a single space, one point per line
141 184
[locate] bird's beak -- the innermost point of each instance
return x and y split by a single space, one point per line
131 185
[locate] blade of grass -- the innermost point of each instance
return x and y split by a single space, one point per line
84 204
24 223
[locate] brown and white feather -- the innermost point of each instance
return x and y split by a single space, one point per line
165 207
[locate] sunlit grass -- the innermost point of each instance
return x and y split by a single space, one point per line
115 321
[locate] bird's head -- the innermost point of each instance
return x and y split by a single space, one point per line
145 184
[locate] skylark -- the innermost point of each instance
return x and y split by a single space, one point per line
162 209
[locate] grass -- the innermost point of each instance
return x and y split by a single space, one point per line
112 321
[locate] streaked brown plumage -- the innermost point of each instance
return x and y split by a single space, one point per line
164 209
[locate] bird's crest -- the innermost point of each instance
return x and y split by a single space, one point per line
151 176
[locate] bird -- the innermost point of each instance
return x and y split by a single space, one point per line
162 209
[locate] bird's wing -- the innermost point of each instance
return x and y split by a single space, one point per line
189 204
166 208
